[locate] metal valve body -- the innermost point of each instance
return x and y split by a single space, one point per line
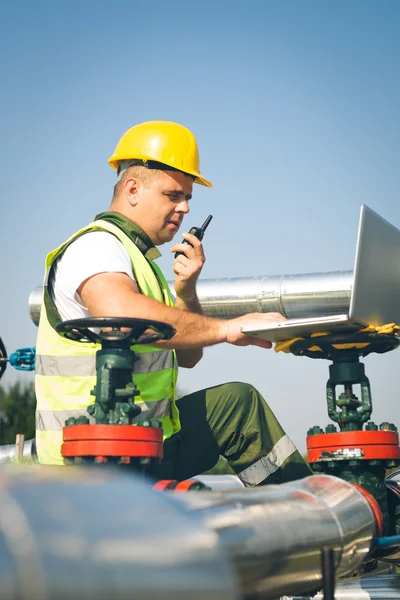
358 451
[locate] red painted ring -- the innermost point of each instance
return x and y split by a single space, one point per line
112 432
369 453
165 484
112 448
353 438
373 503
184 486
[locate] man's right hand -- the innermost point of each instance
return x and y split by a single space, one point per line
234 333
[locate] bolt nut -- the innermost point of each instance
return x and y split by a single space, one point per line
315 430
330 429
371 426
156 423
70 421
385 426
82 420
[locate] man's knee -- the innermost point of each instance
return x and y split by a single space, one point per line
236 400
240 389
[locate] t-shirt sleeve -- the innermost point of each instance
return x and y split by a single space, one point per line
92 253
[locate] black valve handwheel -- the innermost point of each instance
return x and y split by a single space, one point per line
3 358
376 342
81 330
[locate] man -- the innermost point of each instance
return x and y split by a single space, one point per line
108 269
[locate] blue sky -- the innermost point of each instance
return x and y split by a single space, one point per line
295 108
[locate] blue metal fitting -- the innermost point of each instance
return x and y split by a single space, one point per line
23 359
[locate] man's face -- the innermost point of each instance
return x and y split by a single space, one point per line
162 205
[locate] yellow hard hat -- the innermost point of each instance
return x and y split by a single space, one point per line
163 142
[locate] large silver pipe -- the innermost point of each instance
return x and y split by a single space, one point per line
92 534
295 296
99 534
307 295
274 534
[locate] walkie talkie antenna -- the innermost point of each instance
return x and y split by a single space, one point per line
206 223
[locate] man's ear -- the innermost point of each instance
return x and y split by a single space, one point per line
132 190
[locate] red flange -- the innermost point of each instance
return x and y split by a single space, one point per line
178 486
189 484
366 445
353 438
136 433
106 448
165 484
184 486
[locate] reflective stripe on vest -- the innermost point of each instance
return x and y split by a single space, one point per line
54 420
65 369
85 366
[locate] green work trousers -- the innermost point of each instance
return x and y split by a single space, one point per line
232 420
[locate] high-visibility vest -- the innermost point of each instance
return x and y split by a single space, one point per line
66 369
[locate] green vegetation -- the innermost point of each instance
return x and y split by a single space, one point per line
17 411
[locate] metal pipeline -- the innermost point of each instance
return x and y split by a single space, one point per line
94 534
274 534
295 296
98 533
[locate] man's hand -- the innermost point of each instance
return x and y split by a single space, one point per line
187 267
234 333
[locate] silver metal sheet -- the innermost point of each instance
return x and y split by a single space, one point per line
375 299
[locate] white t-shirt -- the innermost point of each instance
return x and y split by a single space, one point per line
92 253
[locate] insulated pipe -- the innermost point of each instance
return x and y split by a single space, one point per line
295 296
95 534
274 534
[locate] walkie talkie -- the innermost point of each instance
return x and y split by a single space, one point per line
198 232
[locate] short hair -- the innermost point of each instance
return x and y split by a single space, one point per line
138 172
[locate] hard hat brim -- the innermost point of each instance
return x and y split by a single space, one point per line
114 160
